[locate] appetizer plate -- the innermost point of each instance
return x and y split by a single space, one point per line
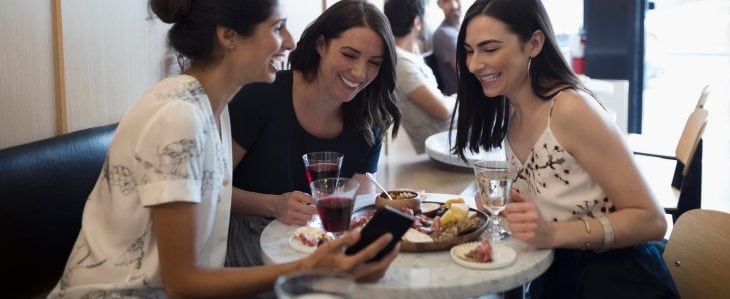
407 246
298 245
502 256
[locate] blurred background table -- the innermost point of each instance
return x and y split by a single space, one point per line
401 167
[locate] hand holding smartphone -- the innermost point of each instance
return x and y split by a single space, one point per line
386 220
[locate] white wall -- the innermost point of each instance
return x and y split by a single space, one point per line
27 103
111 51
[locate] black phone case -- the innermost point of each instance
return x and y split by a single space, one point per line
385 220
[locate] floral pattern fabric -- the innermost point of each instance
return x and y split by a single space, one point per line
554 179
168 148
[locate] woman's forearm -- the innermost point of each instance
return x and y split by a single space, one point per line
252 203
630 227
225 282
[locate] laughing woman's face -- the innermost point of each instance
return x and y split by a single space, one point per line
495 56
350 62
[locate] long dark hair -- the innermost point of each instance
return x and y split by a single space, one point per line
483 121
193 33
374 106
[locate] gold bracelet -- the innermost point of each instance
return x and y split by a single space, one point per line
588 230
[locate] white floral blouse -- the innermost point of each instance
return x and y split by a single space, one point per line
166 149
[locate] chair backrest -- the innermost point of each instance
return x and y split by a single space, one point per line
696 254
44 188
692 132
691 136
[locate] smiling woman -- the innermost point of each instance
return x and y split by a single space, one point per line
337 97
156 223
517 91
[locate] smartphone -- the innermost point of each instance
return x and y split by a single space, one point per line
386 220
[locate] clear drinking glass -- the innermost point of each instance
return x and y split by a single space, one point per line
321 165
314 284
335 198
494 178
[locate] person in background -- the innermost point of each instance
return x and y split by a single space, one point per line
444 44
577 188
337 97
156 223
425 109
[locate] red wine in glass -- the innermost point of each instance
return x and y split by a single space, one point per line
335 213
322 170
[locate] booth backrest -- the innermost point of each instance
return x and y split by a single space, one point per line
43 186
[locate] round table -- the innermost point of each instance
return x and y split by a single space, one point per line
427 274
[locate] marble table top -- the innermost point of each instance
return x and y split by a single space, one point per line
428 274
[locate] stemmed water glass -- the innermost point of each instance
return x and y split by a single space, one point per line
494 178
335 199
321 165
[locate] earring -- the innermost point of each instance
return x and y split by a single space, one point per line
231 46
529 62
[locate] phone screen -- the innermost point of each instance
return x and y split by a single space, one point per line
386 220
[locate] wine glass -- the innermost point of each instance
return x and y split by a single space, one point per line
314 284
335 198
321 165
494 178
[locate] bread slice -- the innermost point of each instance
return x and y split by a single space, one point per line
414 236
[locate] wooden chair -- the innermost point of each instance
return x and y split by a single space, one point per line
646 146
683 191
696 254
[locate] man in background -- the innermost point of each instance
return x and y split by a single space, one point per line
444 44
425 110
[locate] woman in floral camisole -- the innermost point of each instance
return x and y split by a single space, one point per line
578 189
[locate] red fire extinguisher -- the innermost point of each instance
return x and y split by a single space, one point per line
578 61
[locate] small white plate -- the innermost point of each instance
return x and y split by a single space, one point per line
502 256
297 245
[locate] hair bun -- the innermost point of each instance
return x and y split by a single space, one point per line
170 11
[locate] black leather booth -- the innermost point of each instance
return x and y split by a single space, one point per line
43 186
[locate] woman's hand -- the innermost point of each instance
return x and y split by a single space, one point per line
294 208
330 256
526 222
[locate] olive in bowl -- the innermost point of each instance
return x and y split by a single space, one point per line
401 199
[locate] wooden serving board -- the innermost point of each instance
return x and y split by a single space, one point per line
407 246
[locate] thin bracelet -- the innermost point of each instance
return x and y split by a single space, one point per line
608 234
588 230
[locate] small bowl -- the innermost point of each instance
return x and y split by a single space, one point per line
401 198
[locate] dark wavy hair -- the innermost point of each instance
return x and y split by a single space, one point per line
193 33
483 121
375 106
401 14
